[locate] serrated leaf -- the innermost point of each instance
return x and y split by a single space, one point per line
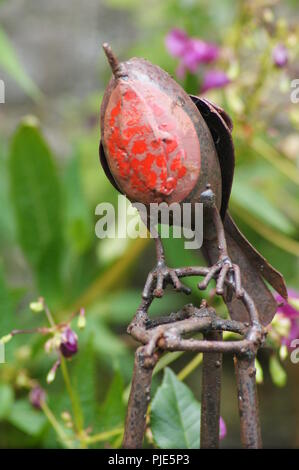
25 418
175 415
36 197
10 63
6 400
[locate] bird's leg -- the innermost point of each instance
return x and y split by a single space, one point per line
225 271
161 275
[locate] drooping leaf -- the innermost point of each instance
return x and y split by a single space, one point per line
10 63
25 418
175 415
36 197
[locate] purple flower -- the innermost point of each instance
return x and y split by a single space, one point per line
291 312
191 51
222 428
280 56
214 79
69 342
37 396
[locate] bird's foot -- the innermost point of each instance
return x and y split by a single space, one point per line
158 279
225 272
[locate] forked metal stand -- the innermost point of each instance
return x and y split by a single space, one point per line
172 333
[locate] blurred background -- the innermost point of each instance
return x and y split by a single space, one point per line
243 55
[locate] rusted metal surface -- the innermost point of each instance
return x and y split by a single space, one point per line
210 395
161 145
248 401
173 334
156 144
139 399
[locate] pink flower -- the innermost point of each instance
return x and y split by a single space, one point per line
290 311
222 428
191 51
37 397
214 79
69 342
280 56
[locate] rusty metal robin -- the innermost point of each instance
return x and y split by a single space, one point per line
159 144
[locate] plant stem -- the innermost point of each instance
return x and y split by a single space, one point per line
56 426
190 367
103 436
76 407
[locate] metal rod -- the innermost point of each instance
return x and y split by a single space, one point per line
248 401
210 397
139 399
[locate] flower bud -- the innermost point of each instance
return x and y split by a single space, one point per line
69 342
5 339
280 56
52 373
283 352
37 397
38 306
222 428
81 320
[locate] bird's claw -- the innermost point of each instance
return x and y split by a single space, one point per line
162 275
225 272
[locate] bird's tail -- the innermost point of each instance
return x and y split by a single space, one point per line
255 270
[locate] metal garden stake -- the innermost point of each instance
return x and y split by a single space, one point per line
160 145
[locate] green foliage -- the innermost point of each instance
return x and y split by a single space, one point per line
36 197
25 418
48 195
175 415
9 61
277 372
6 400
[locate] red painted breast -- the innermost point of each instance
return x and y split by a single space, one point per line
150 143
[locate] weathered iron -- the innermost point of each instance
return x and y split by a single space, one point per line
210 395
161 145
168 334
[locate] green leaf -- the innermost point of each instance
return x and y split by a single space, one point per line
25 418
36 197
7 223
6 400
277 372
254 202
7 319
83 377
112 410
78 220
175 415
9 61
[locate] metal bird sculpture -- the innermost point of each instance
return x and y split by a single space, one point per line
158 144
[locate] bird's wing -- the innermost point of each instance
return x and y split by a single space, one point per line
220 126
106 168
